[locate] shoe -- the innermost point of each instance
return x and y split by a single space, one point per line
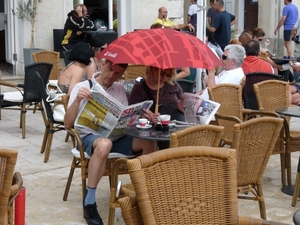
92 216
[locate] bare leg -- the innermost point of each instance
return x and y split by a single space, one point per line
146 146
102 147
288 46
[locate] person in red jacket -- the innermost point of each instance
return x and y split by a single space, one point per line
252 62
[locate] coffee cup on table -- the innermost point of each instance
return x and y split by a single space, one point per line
143 122
164 119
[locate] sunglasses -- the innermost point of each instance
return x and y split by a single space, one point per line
224 57
99 48
260 39
163 73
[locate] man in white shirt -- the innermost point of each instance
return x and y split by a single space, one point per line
232 59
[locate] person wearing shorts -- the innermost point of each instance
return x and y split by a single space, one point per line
288 20
96 146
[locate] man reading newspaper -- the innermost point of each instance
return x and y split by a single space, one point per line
97 146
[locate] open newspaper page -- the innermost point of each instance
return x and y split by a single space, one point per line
203 110
107 116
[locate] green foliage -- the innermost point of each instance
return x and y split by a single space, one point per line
26 10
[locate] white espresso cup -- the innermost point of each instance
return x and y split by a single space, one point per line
164 119
143 122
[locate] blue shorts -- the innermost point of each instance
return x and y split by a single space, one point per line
122 145
287 35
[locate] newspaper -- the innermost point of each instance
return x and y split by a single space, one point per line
198 110
107 116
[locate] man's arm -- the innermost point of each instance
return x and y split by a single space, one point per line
212 29
280 23
211 78
233 21
72 110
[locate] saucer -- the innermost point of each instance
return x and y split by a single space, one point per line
145 127
171 124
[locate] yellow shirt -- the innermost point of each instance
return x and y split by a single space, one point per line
166 22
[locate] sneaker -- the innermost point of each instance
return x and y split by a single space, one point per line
92 216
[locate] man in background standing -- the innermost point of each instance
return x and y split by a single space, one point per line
192 13
221 25
211 13
288 20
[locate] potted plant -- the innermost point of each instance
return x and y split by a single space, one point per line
27 11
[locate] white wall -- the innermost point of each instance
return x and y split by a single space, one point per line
50 15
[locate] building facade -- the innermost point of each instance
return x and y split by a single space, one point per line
132 14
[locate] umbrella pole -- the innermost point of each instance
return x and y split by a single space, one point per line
157 92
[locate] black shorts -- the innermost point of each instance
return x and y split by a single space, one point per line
287 35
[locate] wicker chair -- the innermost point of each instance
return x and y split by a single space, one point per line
271 95
200 135
10 185
249 98
51 125
135 71
81 161
231 112
254 141
27 94
184 185
49 57
230 98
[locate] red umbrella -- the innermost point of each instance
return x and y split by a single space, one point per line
162 48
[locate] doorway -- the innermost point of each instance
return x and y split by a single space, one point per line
251 14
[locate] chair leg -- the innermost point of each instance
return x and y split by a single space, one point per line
67 137
282 164
22 120
68 185
288 167
45 139
49 143
297 185
111 216
261 202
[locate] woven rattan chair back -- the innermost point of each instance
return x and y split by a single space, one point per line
135 71
51 125
249 97
200 135
230 98
50 57
254 141
8 159
271 95
185 185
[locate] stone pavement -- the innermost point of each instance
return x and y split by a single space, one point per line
45 182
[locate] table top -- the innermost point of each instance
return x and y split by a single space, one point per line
289 111
151 133
283 60
98 31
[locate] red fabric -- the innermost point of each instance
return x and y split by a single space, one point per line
162 48
255 64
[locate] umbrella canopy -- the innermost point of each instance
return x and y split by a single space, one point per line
162 48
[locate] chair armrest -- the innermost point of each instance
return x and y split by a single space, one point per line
130 211
226 117
12 85
16 186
